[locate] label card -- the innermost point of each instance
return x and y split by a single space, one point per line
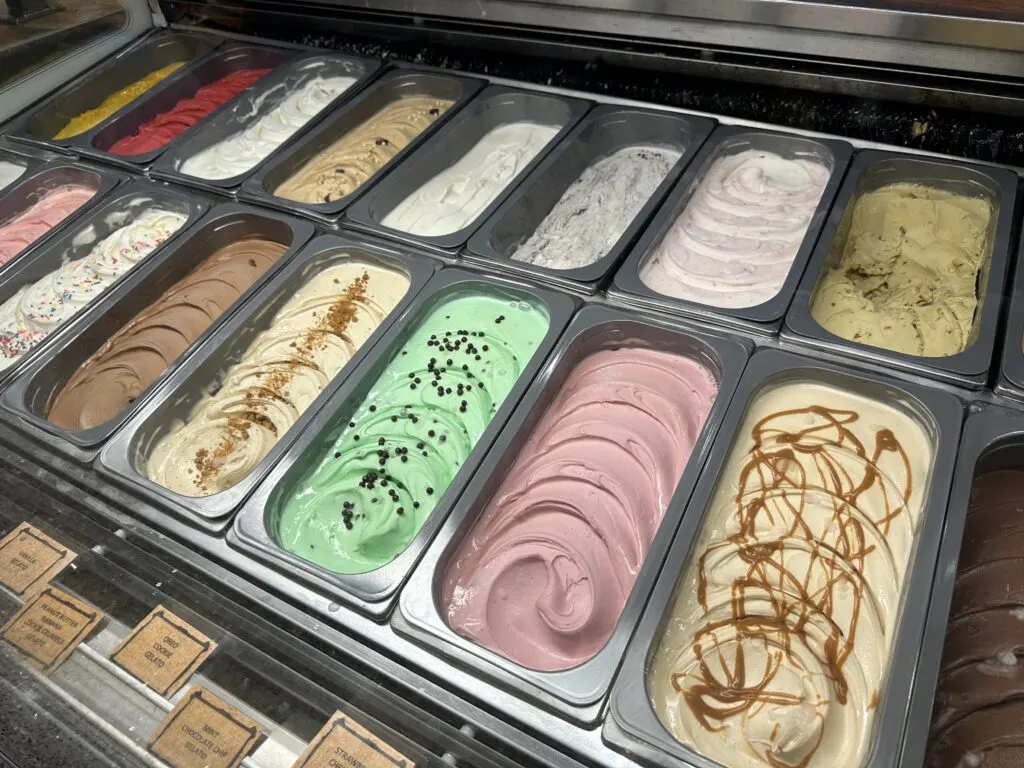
343 743
29 559
163 651
50 626
204 732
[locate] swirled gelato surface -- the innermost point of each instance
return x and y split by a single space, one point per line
735 240
979 702
778 643
116 101
355 156
141 350
907 277
597 208
9 173
50 209
165 127
284 369
455 197
39 308
542 576
375 477
245 149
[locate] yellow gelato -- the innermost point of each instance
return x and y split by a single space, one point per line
116 101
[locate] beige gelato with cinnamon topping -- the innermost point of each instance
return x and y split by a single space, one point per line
285 368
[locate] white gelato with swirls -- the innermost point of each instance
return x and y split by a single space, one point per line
244 150
455 197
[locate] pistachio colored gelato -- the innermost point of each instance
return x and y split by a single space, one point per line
907 276
116 101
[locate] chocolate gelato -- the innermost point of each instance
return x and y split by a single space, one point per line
979 704
137 354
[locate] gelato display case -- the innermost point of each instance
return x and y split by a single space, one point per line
540 383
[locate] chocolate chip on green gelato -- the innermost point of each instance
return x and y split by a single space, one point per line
374 477
907 276
355 156
141 350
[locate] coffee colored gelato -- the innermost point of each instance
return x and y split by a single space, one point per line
978 719
777 643
285 368
544 573
906 279
597 208
376 473
115 102
355 156
456 196
50 208
141 350
41 307
734 243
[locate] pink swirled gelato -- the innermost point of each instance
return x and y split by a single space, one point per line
48 211
543 575
735 241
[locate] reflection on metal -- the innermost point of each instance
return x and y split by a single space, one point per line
880 35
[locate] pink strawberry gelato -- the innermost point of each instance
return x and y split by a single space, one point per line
47 212
543 575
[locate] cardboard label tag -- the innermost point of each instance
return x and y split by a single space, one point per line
163 651
203 731
343 743
29 559
50 626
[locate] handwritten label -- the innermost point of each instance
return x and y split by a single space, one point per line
29 559
50 626
344 743
203 731
163 651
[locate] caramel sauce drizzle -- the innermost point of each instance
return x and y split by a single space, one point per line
773 466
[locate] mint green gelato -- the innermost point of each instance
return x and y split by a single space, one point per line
378 471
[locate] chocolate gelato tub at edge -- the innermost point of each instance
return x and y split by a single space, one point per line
440 195
264 120
967 708
203 442
572 219
733 238
75 112
351 507
584 488
153 319
344 156
911 267
789 626
41 203
44 292
169 117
